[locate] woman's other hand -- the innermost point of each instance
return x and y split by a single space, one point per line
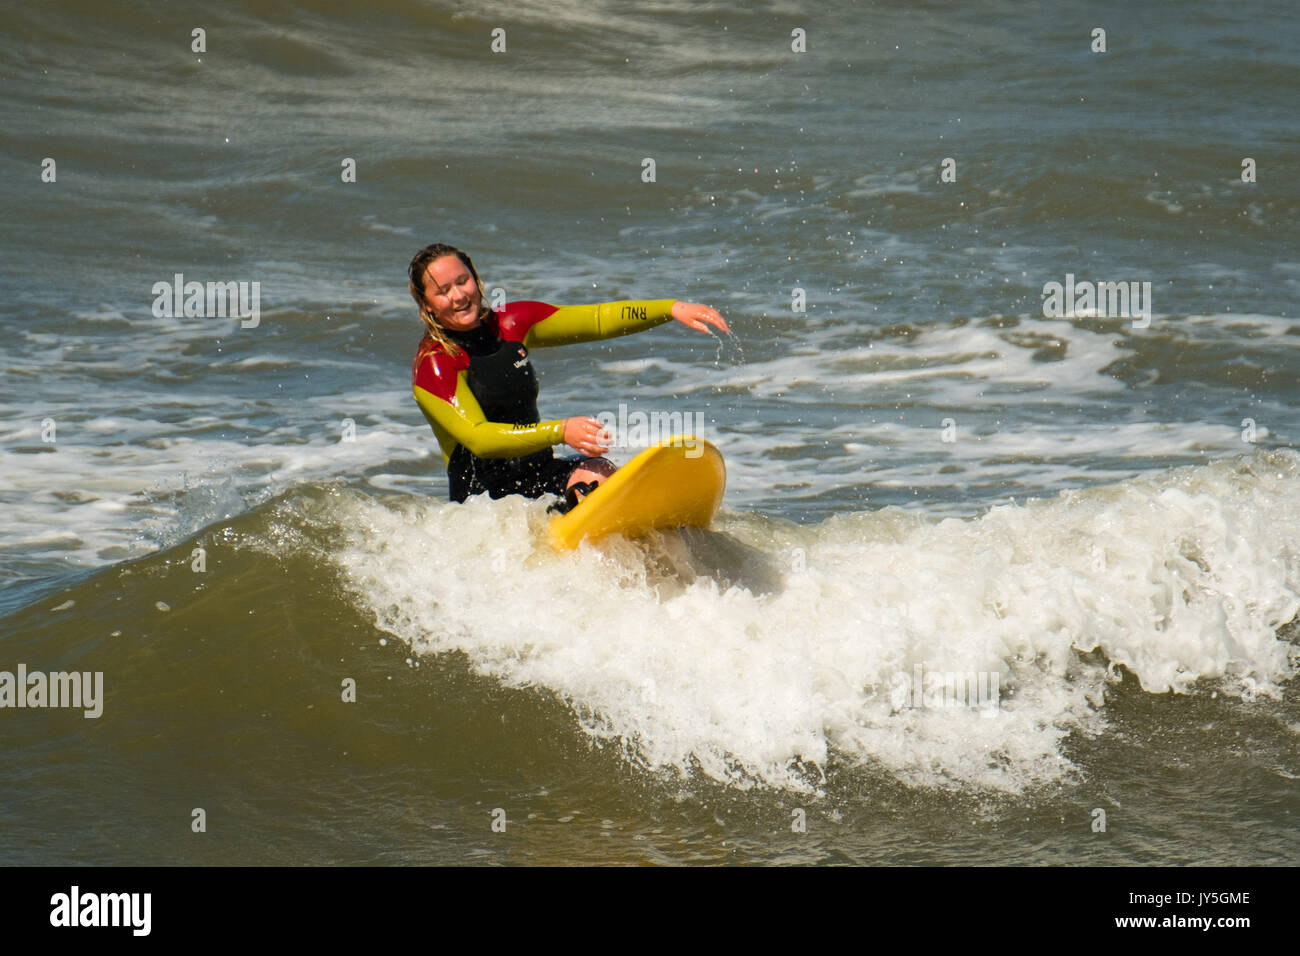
698 317
587 436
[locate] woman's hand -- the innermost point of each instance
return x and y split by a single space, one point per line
698 317
586 436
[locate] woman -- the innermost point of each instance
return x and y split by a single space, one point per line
474 382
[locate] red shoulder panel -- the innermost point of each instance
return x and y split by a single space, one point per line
514 320
435 370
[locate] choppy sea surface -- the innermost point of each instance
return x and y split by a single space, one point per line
1093 516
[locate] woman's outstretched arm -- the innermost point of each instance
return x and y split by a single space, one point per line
540 325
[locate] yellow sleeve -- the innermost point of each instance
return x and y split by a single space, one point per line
587 323
461 422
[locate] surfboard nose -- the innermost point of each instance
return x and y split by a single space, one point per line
677 483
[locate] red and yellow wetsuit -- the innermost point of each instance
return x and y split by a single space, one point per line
482 402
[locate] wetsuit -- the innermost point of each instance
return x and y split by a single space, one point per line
482 402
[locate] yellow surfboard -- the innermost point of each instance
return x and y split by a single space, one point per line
677 482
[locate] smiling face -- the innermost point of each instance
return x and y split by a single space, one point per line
451 295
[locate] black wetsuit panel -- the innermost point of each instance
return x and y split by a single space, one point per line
502 379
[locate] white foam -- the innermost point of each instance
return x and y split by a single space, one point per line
1181 577
124 486
845 409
